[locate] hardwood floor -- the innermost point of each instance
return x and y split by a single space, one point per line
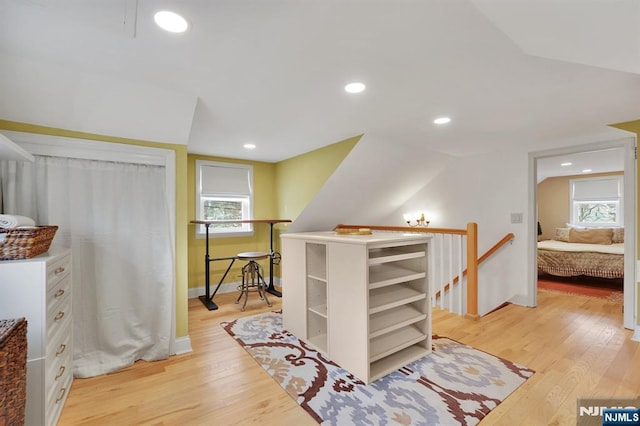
575 344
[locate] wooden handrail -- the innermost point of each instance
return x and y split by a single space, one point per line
485 256
405 229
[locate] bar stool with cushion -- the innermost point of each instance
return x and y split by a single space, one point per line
252 276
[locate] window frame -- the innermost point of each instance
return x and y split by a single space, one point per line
245 229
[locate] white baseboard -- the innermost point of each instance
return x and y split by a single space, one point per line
636 334
520 299
228 287
182 345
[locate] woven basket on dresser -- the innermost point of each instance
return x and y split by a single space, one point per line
25 243
13 371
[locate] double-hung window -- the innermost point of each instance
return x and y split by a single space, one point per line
224 191
597 202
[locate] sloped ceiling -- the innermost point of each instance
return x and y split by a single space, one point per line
599 33
272 72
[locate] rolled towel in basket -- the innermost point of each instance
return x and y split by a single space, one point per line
13 221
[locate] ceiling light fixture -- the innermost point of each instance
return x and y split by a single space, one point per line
587 171
355 87
442 120
566 164
171 21
249 146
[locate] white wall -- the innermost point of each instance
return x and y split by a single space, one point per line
379 181
375 179
484 189
50 95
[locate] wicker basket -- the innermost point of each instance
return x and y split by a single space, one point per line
13 371
25 243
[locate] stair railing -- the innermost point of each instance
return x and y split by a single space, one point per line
448 287
453 261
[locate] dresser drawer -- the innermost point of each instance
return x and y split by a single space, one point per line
59 294
57 318
61 345
57 397
58 269
57 371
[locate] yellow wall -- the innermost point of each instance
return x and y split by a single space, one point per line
553 202
634 127
298 179
265 207
182 326
281 191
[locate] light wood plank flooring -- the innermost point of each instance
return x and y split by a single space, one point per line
576 345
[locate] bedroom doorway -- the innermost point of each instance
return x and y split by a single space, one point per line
611 158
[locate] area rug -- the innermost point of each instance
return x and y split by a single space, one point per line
454 385
610 290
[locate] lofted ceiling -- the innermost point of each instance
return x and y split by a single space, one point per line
272 72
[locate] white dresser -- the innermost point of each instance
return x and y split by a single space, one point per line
39 289
361 299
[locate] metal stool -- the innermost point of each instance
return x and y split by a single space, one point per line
252 276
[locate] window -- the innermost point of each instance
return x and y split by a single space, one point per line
224 191
597 202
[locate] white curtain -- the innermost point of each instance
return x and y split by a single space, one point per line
115 218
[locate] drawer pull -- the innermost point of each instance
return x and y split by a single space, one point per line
61 350
60 372
59 316
61 394
59 270
58 293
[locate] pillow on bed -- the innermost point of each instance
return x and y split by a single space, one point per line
618 235
562 234
591 236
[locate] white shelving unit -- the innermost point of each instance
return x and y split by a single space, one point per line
361 299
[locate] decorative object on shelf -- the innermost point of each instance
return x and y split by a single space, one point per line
25 243
413 220
348 231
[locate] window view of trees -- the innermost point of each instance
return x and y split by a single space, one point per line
597 212
223 210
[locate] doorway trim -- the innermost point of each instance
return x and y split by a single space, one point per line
630 208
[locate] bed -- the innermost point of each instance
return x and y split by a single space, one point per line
591 252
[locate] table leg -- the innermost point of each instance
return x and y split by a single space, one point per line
207 299
270 288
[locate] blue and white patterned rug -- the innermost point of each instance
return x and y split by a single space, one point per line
454 385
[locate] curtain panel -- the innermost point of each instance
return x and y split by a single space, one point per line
115 218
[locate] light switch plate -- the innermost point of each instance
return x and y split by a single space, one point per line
516 217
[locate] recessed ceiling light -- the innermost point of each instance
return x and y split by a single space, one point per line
171 21
355 87
249 146
587 170
441 120
565 164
